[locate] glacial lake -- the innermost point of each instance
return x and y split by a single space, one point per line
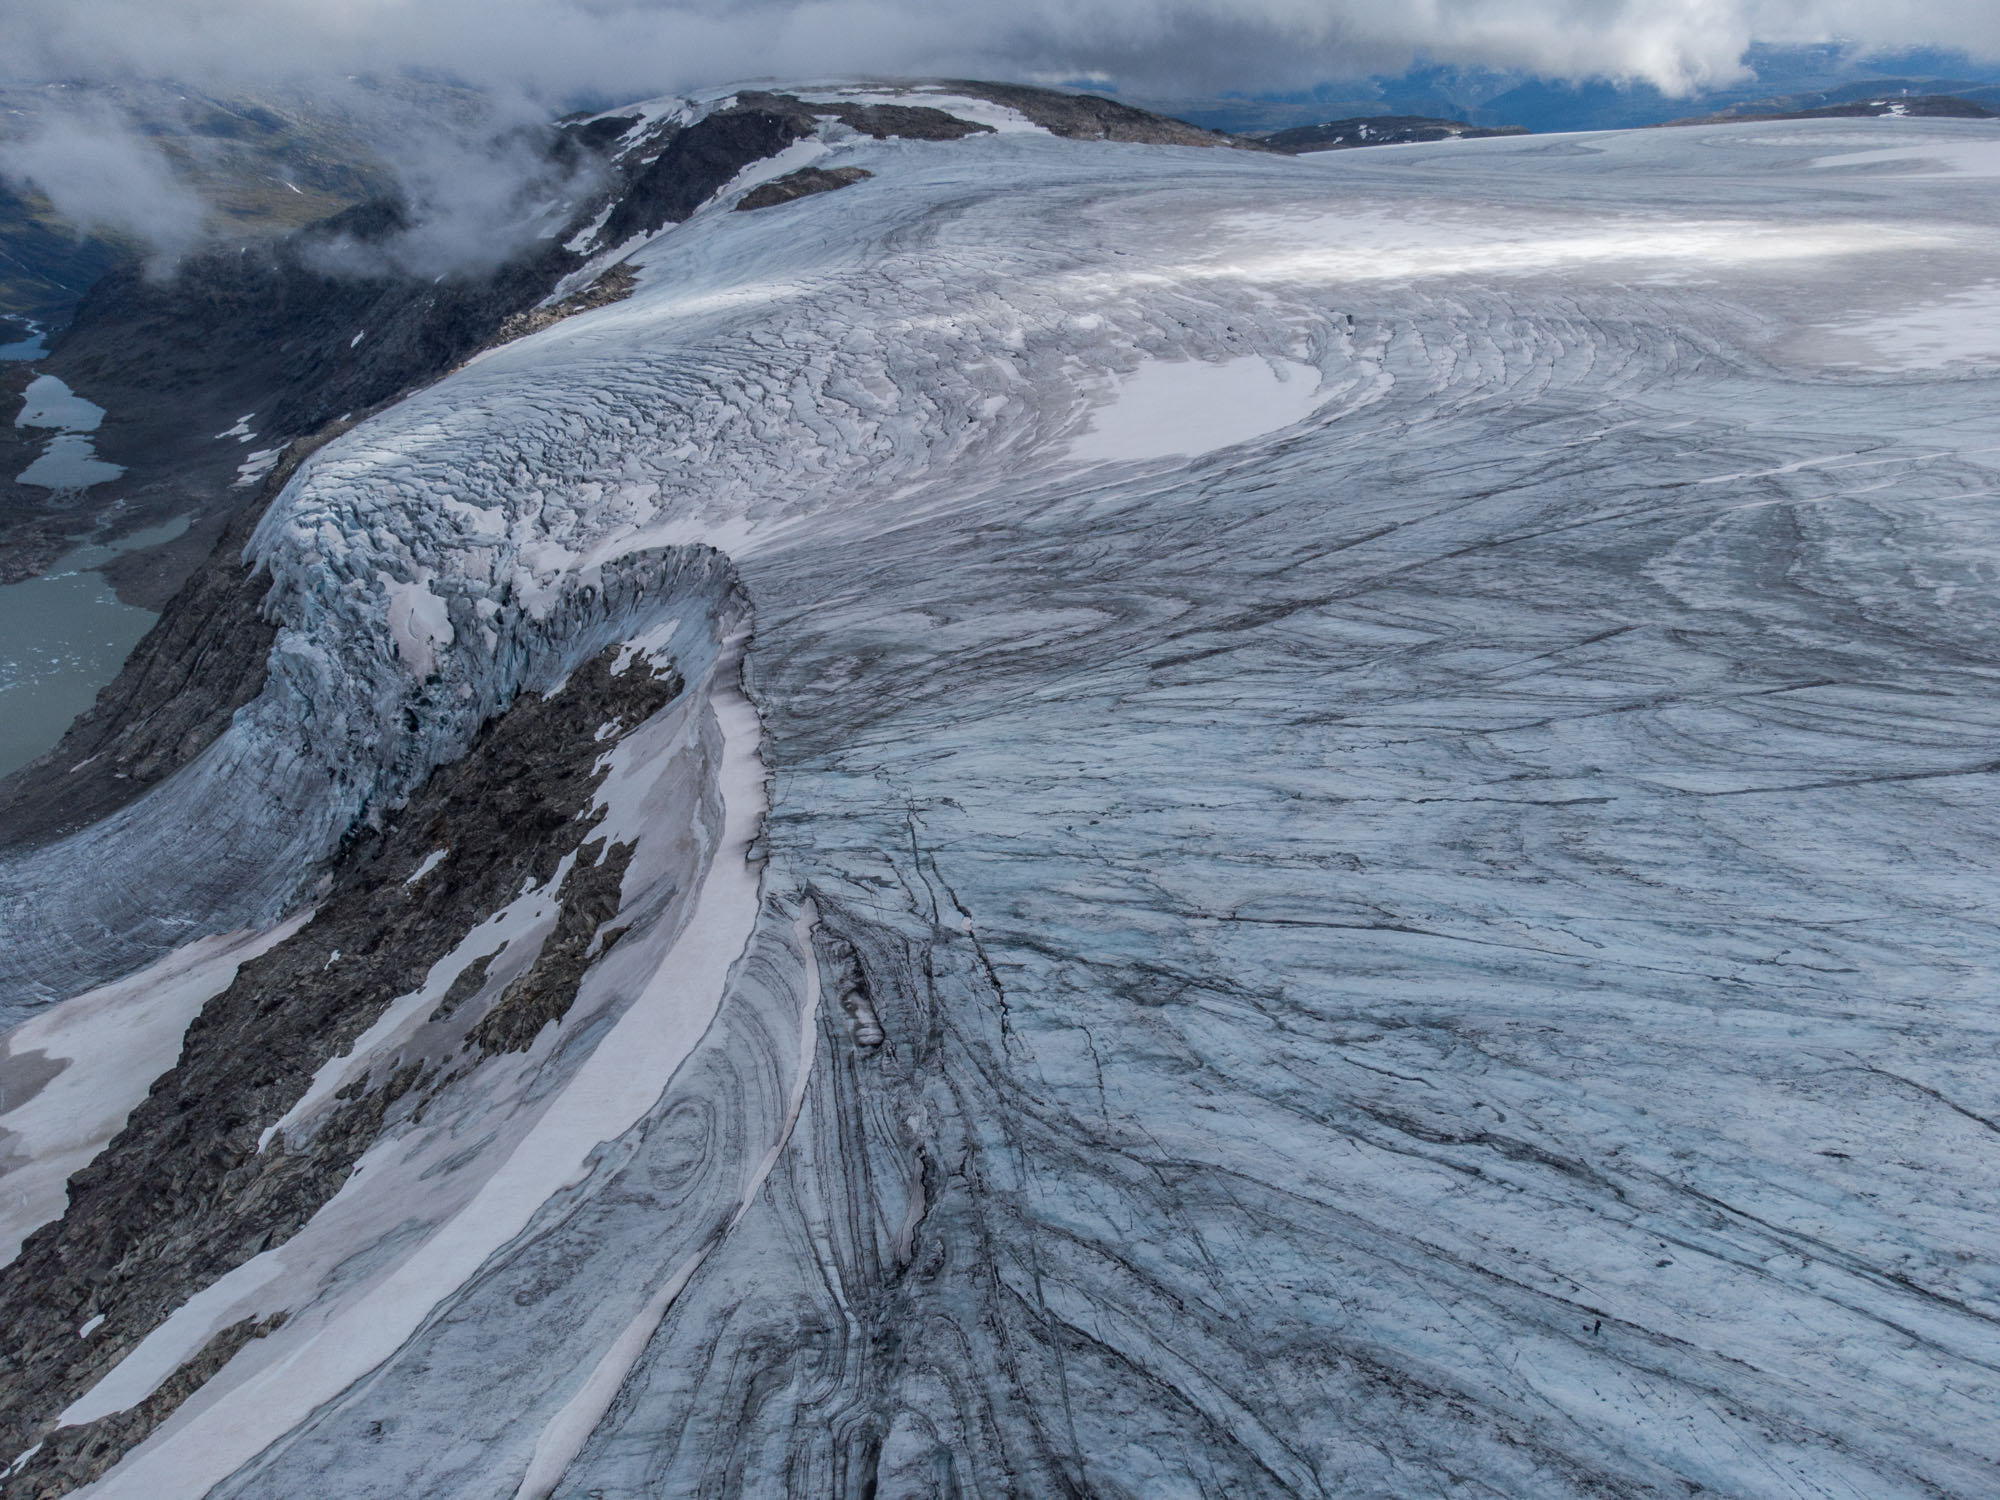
21 338
63 636
70 460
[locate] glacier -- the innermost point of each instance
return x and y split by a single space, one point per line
1329 830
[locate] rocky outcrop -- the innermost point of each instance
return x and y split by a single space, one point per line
704 156
73 1456
1092 117
615 285
800 184
697 161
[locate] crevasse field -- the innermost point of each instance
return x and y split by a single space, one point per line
1337 838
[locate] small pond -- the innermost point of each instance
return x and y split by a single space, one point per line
70 460
21 338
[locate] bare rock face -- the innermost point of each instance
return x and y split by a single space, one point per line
700 159
800 184
1091 117
614 285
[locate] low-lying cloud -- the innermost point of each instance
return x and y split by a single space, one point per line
100 174
475 188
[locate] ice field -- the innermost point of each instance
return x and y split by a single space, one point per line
1336 836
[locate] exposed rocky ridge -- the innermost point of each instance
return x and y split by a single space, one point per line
1092 117
1380 130
615 285
204 659
914 122
698 160
73 1456
803 183
185 1193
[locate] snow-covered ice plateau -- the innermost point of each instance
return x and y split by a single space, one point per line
1332 833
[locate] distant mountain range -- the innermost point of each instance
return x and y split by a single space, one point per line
1877 103
1784 80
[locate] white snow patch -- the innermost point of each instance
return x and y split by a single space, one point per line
580 242
799 154
580 278
351 343
1958 330
1944 158
431 862
241 431
116 1040
90 1326
527 917
556 1449
260 462
418 622
169 1346
1187 407
648 646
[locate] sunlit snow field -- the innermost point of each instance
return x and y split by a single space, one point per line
1418 725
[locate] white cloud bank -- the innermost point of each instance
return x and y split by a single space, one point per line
99 175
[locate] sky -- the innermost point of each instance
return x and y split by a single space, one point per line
532 58
556 48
